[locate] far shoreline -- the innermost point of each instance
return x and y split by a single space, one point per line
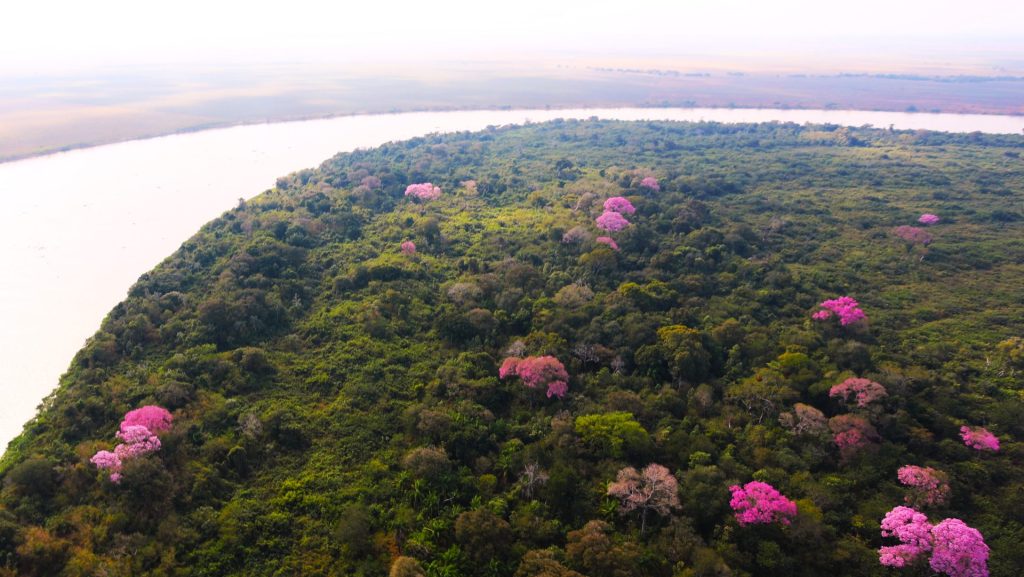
312 118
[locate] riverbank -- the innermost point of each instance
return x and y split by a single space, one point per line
39 117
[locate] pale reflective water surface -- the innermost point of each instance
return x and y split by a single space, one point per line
78 228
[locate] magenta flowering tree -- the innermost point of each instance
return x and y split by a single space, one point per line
913 235
608 241
914 533
952 546
927 487
760 503
928 219
958 550
653 489
138 441
156 419
619 204
611 221
863 391
538 372
651 183
408 247
847 309
423 191
138 431
979 438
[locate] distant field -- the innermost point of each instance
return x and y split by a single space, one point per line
43 115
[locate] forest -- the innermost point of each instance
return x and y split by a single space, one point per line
577 348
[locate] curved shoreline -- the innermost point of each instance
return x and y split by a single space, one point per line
715 111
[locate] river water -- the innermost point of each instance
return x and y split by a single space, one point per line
78 228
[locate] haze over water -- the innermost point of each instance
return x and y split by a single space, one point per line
79 228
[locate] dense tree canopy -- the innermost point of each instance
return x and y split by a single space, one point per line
687 392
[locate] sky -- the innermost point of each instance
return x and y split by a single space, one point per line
70 35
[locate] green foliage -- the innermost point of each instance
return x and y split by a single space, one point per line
337 406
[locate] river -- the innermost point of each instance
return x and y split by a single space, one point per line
78 228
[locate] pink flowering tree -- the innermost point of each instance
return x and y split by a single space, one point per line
138 432
408 247
862 391
607 240
851 433
951 546
927 487
847 309
958 550
619 204
760 503
611 221
653 489
156 419
914 533
651 183
928 219
979 438
538 372
423 191
913 235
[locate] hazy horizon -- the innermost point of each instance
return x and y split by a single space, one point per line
65 37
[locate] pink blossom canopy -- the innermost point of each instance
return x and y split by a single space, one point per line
955 548
864 391
612 221
608 241
546 371
927 219
654 488
758 502
619 204
928 487
408 247
979 438
913 235
423 191
846 308
651 183
156 419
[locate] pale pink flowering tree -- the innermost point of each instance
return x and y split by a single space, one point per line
575 235
804 420
928 219
913 235
536 372
608 241
423 191
653 489
864 391
611 221
979 438
156 419
619 204
651 183
846 308
928 487
760 503
408 247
